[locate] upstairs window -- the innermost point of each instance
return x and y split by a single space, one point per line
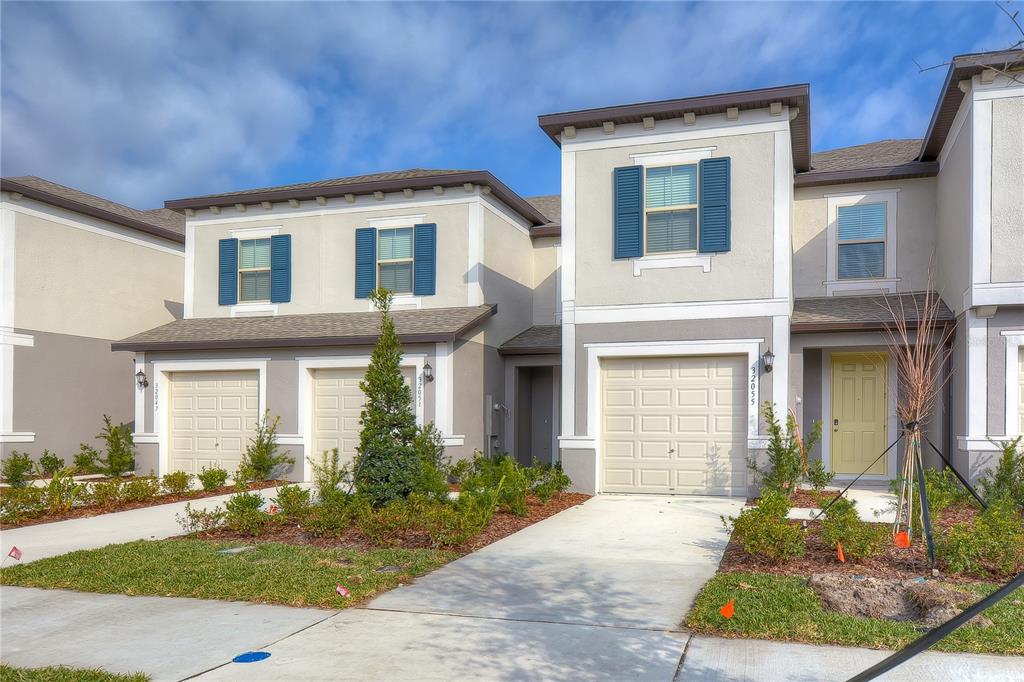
670 203
395 260
861 241
254 270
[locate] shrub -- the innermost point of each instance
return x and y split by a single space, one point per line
293 501
141 489
244 513
106 494
20 504
212 478
500 473
993 543
1006 481
382 525
50 463
763 531
63 492
433 478
120 448
87 459
177 482
16 469
943 489
328 474
200 520
787 453
817 475
459 522
458 471
547 479
332 516
842 524
387 466
261 461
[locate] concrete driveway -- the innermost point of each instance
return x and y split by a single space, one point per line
596 592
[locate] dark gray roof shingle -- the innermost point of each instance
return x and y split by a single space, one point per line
881 154
540 339
321 329
859 312
550 205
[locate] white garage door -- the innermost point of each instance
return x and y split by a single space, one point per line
213 416
674 425
337 405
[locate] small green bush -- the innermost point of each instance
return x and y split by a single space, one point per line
842 524
763 531
16 469
87 459
140 489
106 494
944 490
382 525
120 447
991 544
177 482
244 513
63 492
1006 481
50 463
328 474
817 475
460 470
472 512
546 480
200 520
332 516
432 481
261 460
293 501
500 473
212 478
20 504
786 454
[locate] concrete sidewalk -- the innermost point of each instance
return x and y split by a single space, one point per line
60 537
748 660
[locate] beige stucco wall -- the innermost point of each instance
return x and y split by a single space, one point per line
545 280
89 283
915 232
1008 189
506 278
323 258
953 220
744 272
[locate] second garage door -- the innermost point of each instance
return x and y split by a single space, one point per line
674 425
213 416
337 405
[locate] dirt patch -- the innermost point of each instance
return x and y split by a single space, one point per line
927 601
502 525
87 511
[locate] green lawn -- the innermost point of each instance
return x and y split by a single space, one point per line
271 573
785 608
62 674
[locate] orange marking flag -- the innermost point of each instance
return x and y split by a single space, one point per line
839 552
902 539
729 610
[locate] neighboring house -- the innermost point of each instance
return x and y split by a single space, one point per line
699 261
78 272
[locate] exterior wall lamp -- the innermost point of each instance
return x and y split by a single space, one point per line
140 380
428 372
769 360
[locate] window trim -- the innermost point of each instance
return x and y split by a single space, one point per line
695 207
888 281
411 260
242 270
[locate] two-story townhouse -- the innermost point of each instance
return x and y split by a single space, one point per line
278 320
77 272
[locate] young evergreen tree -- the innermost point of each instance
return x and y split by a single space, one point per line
387 466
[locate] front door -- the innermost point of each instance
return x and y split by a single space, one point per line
859 412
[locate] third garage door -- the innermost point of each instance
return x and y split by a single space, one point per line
674 425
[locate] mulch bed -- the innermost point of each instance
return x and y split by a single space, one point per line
502 525
893 562
94 510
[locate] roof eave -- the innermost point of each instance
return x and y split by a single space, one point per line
7 185
924 169
536 350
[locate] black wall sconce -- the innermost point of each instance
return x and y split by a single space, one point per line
769 360
140 379
428 372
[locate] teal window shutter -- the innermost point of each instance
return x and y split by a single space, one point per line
227 284
715 214
281 268
366 261
629 217
425 259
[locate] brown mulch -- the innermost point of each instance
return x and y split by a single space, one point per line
804 498
893 562
88 511
502 525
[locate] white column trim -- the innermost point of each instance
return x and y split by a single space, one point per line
475 249
977 375
190 270
567 297
782 201
1014 342
780 370
981 193
8 261
444 393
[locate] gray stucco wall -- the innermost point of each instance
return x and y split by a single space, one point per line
1008 189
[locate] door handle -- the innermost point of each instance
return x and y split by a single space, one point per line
835 426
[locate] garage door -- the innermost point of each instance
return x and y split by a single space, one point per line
213 416
337 404
674 425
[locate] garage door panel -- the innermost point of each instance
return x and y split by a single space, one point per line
674 425
213 415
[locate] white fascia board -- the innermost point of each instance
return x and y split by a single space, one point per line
698 310
994 293
677 156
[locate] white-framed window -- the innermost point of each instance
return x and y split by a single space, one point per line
670 208
394 259
253 270
860 241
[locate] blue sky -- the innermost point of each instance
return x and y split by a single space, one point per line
142 102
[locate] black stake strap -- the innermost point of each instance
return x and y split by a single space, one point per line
956 473
850 485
